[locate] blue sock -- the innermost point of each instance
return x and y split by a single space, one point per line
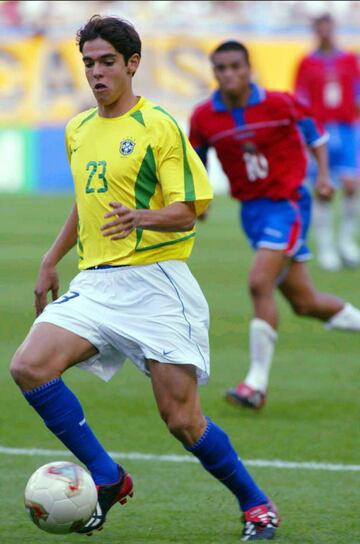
64 416
217 455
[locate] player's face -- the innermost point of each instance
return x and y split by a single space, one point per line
324 31
107 74
232 71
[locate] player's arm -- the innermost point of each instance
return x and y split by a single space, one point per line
185 188
316 139
176 217
48 279
323 185
357 96
197 139
201 146
356 80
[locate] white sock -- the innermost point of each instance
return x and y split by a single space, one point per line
323 226
348 319
262 343
349 220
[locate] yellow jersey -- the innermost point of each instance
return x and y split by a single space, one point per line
143 160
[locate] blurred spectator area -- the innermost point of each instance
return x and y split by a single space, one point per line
41 73
54 17
42 82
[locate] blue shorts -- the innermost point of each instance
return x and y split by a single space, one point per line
343 151
278 224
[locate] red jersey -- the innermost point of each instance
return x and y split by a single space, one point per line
330 84
261 147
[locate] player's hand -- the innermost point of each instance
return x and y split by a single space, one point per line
324 188
126 220
48 280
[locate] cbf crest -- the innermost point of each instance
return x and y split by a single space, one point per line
126 147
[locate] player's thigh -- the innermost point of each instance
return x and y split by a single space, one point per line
176 391
273 230
266 268
51 349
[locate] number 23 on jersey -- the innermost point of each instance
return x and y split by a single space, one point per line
96 181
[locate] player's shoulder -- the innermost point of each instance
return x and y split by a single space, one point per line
80 119
157 118
351 57
310 61
314 58
309 56
203 108
283 103
281 98
347 54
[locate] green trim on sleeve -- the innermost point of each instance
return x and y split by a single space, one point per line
145 186
188 177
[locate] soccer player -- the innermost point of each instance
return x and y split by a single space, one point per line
139 186
259 139
328 80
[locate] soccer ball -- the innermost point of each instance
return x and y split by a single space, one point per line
60 497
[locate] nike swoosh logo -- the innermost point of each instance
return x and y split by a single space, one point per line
166 353
75 149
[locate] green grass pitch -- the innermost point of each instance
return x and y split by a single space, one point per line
312 413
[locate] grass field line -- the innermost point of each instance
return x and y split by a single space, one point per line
137 456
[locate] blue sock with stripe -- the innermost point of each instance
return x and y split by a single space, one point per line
217 455
63 415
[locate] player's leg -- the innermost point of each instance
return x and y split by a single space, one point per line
176 393
306 301
37 367
267 266
349 221
349 177
324 235
273 229
47 351
323 210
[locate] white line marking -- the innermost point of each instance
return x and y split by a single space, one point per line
248 127
137 456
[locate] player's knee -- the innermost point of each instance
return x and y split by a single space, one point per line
259 285
27 368
181 425
17 365
350 187
22 366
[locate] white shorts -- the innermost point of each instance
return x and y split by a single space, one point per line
154 311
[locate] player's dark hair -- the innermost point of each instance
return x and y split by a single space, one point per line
324 18
121 34
231 45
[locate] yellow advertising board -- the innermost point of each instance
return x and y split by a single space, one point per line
43 82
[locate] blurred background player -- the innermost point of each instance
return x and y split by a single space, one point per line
328 80
256 135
